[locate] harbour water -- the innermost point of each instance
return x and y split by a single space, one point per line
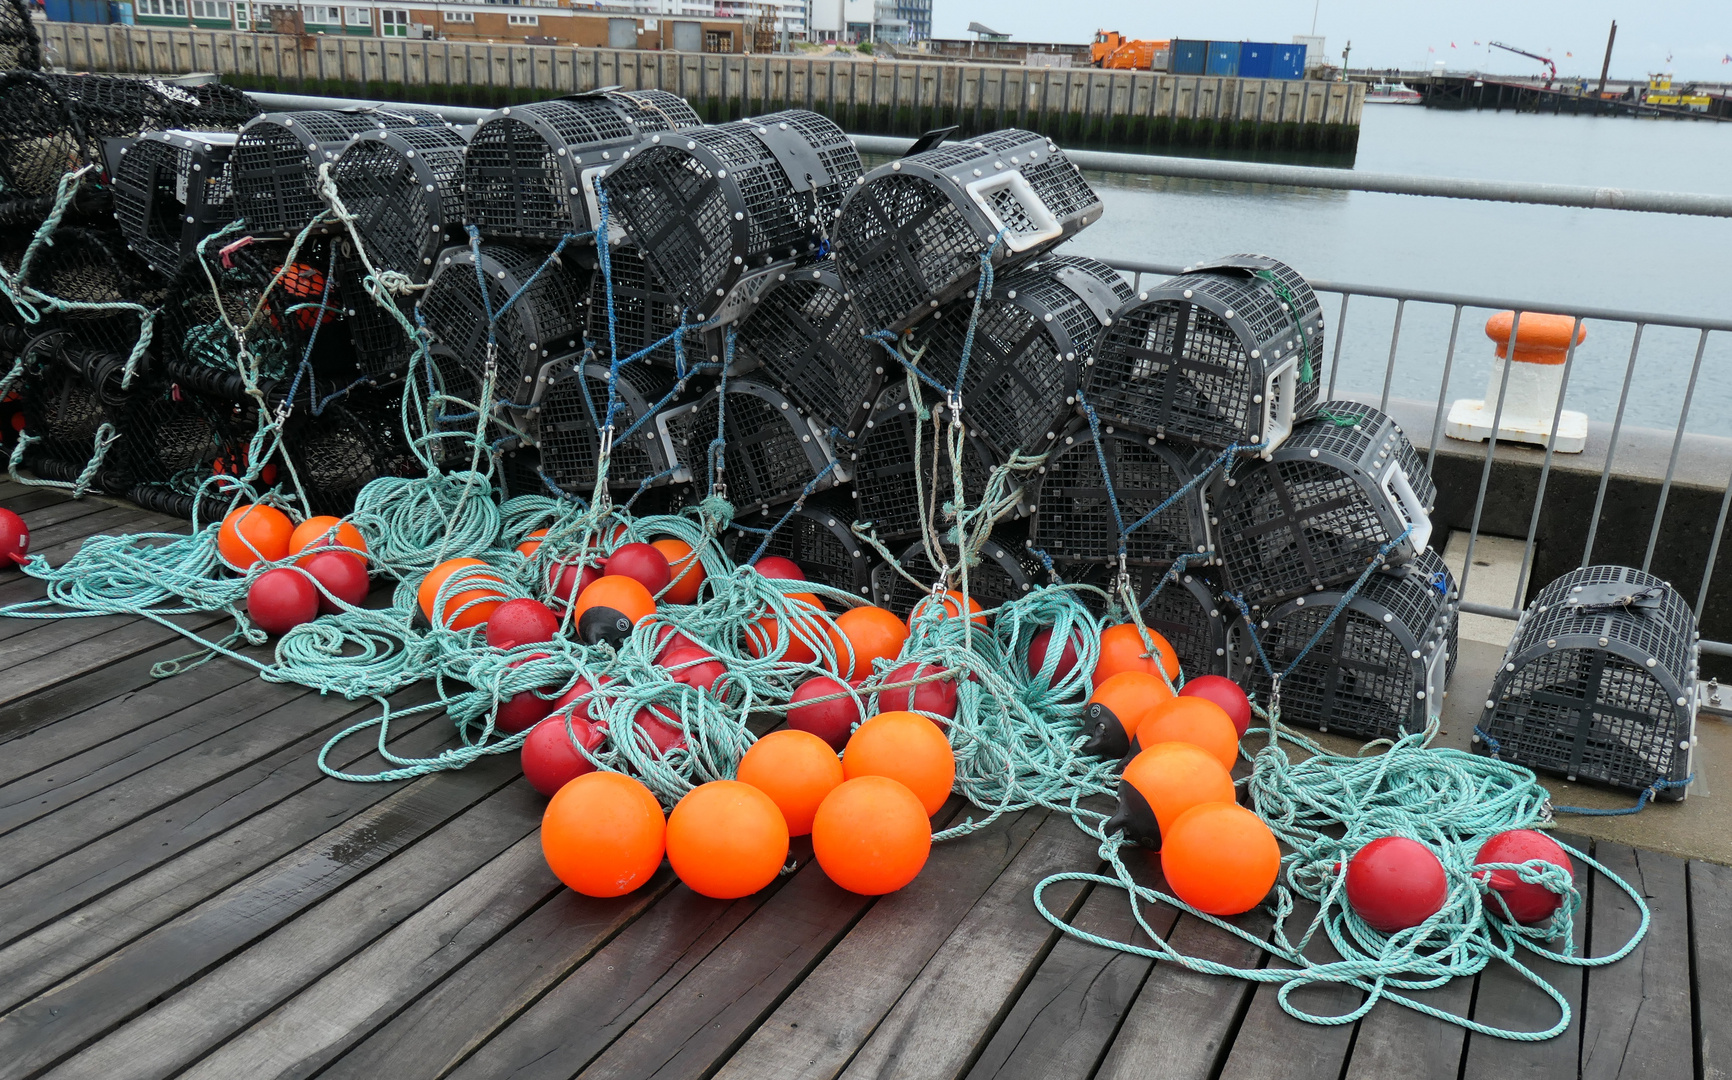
1612 259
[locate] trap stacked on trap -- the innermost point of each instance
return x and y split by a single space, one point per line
1377 671
902 469
573 413
818 536
1599 683
171 189
717 211
770 452
644 313
804 335
910 236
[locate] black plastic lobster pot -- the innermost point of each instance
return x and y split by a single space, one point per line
531 169
1228 353
717 211
171 189
1317 510
1188 610
276 161
572 412
1034 334
90 265
1381 667
1073 513
542 326
803 335
19 48
1006 571
1599 683
645 312
816 536
910 236
896 448
403 185
772 451
65 411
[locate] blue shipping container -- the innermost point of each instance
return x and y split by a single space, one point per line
1223 58
1189 57
1289 62
1255 58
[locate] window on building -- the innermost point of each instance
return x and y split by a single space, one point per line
242 19
523 20
163 8
319 15
393 23
358 16
460 16
210 9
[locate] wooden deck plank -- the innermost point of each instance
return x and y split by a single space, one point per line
1397 1041
87 655
1637 1021
1271 1043
1063 1023
949 1013
1506 999
56 1023
344 959
1710 899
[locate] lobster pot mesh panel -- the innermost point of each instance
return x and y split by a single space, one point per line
1378 671
381 347
1033 336
191 329
910 236
709 205
19 49
543 324
1603 683
572 413
92 266
170 190
807 338
404 187
816 537
645 311
1073 514
174 438
771 449
1316 513
61 409
336 454
276 162
1228 354
1187 610
886 460
1006 571
525 172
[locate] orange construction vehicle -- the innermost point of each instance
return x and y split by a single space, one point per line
1112 50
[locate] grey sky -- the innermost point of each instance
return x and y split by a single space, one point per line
1696 33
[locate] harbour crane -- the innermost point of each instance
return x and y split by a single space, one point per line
1551 68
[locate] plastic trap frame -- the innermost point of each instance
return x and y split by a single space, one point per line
171 190
1073 514
1006 571
574 409
714 206
884 463
1599 683
1035 332
805 336
530 171
816 536
63 409
645 310
910 236
92 266
276 161
1381 668
342 449
543 326
1188 610
404 187
1228 353
1314 514
772 450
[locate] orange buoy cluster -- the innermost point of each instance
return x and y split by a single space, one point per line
330 574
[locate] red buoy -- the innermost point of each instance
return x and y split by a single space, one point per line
938 696
281 599
692 666
642 563
1395 883
14 538
524 709
521 622
831 721
1066 660
1225 693
1528 902
662 727
343 575
774 566
550 761
566 580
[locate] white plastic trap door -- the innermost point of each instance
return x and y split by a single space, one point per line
1013 185
1407 506
1436 681
592 201
1280 391
684 472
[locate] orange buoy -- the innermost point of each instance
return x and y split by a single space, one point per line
726 840
603 834
251 533
874 634
531 544
311 532
1220 858
473 603
1197 721
1122 649
1117 709
907 748
609 607
952 607
1542 339
686 568
809 622
1163 782
871 835
796 769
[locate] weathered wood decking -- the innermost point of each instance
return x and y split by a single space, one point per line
183 893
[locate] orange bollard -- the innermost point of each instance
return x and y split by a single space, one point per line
1535 380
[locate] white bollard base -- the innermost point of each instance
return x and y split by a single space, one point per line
1470 420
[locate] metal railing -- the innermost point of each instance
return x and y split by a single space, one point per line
1455 305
